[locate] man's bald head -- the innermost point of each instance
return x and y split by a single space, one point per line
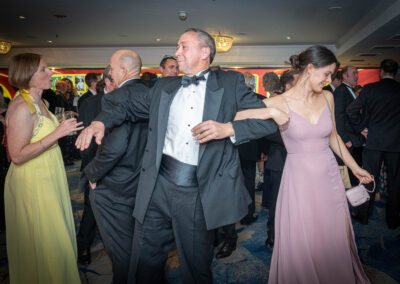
125 64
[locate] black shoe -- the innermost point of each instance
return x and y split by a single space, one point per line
227 248
248 220
269 243
84 256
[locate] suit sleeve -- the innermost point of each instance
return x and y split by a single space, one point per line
354 111
118 107
250 129
86 116
340 113
108 155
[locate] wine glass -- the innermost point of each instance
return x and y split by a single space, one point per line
70 114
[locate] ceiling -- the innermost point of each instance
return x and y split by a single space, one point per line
353 27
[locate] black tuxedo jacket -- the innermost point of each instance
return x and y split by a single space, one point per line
343 98
88 111
86 95
380 104
221 185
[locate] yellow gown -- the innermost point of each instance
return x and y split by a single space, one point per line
40 229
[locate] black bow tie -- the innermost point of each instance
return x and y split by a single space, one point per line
186 80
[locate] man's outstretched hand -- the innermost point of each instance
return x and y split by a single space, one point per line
212 130
96 129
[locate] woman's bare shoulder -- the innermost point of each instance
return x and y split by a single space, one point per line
18 108
276 101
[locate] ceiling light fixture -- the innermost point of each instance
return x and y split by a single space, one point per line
5 46
50 41
223 43
158 40
22 17
288 37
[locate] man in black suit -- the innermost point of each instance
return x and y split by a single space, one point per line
344 95
91 81
114 171
336 82
276 161
186 188
380 103
89 109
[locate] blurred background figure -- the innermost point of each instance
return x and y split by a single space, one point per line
272 84
169 66
336 81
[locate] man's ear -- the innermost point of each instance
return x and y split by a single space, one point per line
205 52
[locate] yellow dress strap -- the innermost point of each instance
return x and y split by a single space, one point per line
34 108
28 99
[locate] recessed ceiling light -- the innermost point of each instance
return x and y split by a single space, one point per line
241 33
335 8
158 39
50 41
22 17
289 37
123 35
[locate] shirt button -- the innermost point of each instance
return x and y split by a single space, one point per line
143 170
188 125
187 143
191 107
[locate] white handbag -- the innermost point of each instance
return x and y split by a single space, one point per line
359 194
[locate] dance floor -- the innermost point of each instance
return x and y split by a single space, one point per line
379 249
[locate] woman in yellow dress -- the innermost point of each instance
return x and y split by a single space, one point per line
40 230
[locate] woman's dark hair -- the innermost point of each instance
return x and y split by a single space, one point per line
21 69
317 55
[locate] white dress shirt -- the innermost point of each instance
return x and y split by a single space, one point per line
186 112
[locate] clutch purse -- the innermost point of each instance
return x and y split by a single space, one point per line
358 195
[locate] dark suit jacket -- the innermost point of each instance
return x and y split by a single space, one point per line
221 186
116 166
343 98
380 103
251 151
85 96
89 109
277 152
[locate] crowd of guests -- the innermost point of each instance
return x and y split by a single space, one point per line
171 162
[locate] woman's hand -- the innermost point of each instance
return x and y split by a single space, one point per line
68 126
363 175
279 116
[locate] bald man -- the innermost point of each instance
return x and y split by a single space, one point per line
113 174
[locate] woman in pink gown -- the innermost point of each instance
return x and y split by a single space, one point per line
314 239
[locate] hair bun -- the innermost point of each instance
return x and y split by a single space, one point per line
294 61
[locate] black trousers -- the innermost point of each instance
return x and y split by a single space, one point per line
275 181
249 172
174 213
87 227
116 225
372 162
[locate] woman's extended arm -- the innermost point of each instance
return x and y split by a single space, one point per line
20 123
279 116
340 149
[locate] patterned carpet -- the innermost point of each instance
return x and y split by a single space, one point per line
379 249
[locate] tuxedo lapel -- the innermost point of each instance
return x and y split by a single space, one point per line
212 103
163 112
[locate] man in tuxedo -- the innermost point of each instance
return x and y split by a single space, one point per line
91 81
89 109
380 104
113 174
169 66
344 95
191 181
249 154
336 81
